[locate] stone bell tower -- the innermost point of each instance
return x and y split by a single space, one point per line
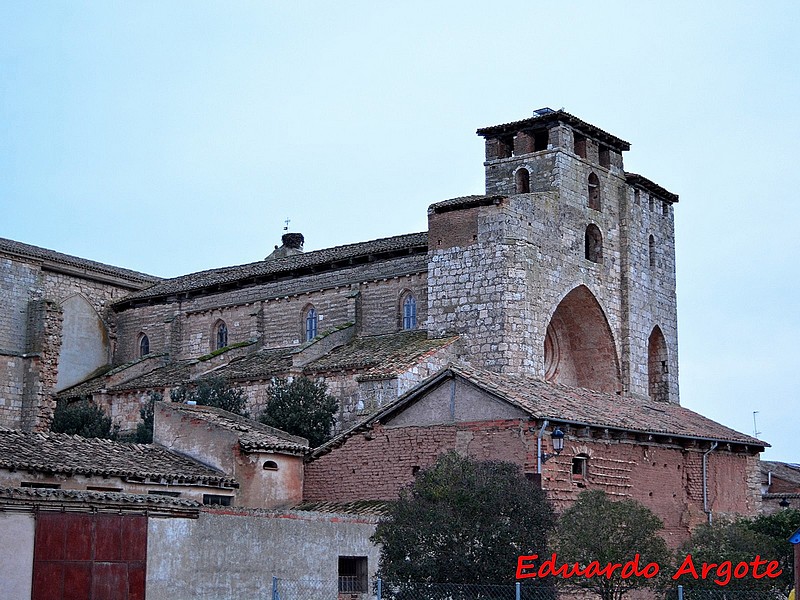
565 268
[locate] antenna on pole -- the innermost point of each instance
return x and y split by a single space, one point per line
286 224
756 432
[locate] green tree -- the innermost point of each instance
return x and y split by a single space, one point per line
144 429
463 521
596 528
212 391
83 418
301 407
741 541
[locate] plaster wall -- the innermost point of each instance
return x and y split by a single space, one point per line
235 553
16 555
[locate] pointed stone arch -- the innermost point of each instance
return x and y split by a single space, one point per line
657 366
579 348
85 344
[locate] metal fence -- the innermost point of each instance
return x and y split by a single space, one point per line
310 589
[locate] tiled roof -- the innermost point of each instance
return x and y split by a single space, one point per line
290 266
51 256
553 117
377 508
253 436
379 356
145 501
464 202
263 364
563 404
786 471
71 454
168 375
649 186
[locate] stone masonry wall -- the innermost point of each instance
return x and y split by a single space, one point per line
368 296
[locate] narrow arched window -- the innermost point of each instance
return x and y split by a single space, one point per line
593 244
651 246
144 345
310 323
409 312
594 191
220 335
523 180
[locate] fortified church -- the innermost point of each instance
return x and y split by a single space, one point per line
547 303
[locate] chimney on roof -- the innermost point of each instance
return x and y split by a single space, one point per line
292 243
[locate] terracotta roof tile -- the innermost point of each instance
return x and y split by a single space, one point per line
464 202
43 254
553 117
290 266
380 356
263 364
71 454
560 403
376 508
146 501
253 436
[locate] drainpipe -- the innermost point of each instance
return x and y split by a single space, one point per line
705 480
539 447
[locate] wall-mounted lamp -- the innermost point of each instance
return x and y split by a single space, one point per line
558 445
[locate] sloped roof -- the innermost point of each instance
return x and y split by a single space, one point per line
52 259
787 471
568 405
258 365
464 202
649 186
555 116
253 436
149 502
357 507
71 454
290 266
380 356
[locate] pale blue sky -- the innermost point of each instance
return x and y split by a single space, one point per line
171 137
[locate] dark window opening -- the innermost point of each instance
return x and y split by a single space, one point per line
540 140
270 465
580 145
593 244
605 157
652 203
523 181
102 488
310 324
505 147
409 312
594 191
652 251
580 467
39 485
221 335
665 209
144 345
215 500
636 197
415 470
164 493
352 574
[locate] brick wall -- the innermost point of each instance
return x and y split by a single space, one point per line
376 464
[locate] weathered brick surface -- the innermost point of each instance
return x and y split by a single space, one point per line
377 464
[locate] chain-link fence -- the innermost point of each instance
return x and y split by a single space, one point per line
353 587
723 594
304 589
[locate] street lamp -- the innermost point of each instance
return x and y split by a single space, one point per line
557 438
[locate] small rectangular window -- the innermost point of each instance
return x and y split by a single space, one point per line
605 157
164 493
540 140
39 485
215 500
353 574
580 145
103 488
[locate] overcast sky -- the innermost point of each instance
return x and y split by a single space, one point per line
171 137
